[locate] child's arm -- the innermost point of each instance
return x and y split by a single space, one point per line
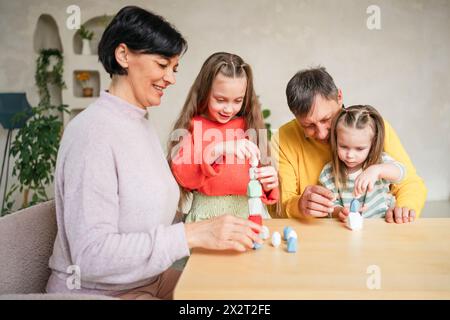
390 170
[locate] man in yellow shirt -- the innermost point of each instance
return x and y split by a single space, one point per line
301 148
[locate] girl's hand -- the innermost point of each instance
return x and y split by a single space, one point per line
342 213
242 148
268 177
366 180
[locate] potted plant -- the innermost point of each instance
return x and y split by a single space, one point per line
35 145
83 77
86 36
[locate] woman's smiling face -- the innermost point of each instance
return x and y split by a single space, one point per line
149 75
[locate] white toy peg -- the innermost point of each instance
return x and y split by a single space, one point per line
354 219
292 234
265 233
276 239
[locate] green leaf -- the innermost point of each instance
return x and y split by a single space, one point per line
266 113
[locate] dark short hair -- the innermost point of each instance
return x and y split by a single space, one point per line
143 32
305 85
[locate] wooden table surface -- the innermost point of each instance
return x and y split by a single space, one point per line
332 262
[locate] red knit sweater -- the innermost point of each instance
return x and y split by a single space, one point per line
227 176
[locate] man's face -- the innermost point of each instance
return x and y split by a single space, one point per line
317 123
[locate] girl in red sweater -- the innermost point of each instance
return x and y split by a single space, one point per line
216 136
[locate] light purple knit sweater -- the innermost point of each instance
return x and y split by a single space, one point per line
116 199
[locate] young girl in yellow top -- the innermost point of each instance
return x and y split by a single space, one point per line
221 126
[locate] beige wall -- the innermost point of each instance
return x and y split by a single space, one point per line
402 69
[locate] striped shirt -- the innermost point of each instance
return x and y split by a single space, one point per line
378 201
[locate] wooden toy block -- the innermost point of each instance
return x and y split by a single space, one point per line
265 233
255 206
292 234
276 239
252 174
256 218
292 245
257 246
355 221
286 231
354 205
254 189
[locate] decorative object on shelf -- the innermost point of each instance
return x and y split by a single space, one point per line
14 111
266 113
86 36
36 144
83 77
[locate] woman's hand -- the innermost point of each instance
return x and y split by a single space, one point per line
242 148
268 177
222 233
366 180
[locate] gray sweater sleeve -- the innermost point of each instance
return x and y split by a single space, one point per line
91 221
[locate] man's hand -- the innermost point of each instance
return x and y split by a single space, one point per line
400 215
316 201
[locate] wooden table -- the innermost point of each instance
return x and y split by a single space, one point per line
332 262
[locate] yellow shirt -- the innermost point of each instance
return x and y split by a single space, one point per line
301 159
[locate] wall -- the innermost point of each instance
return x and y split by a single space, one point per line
402 69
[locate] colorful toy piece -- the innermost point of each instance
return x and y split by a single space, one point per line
256 218
265 234
276 239
292 245
254 193
254 189
257 246
252 173
255 206
354 205
286 231
292 234
354 219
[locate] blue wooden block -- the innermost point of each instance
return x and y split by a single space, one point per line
254 189
286 231
257 246
354 205
292 245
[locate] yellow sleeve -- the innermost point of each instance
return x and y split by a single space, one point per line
288 179
411 192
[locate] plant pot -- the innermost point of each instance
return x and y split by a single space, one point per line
88 92
86 48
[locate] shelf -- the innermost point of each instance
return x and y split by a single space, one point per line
46 34
93 82
75 62
97 25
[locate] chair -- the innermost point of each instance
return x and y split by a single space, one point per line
26 244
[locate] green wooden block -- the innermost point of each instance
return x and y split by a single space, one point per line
254 189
